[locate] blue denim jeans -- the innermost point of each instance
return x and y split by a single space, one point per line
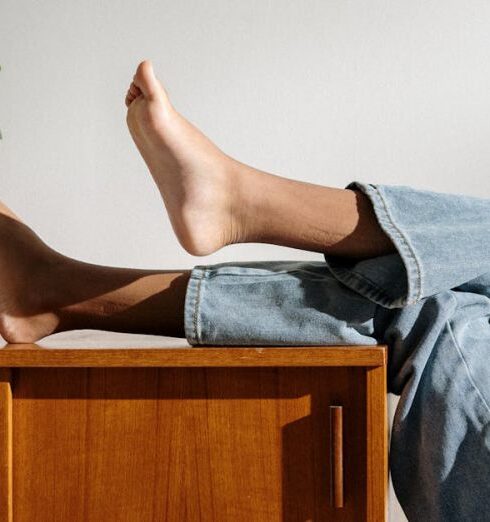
429 302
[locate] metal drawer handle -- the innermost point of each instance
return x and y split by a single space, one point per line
336 458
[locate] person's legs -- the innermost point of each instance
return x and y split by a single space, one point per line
42 291
213 200
120 299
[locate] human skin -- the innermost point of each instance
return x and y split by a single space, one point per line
212 201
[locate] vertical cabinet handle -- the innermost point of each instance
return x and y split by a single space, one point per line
336 458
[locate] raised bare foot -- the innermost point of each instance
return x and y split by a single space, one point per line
24 286
194 177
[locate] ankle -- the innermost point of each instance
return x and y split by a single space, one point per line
245 200
61 290
254 190
47 282
70 290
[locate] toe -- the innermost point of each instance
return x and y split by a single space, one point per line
134 90
129 99
146 81
132 93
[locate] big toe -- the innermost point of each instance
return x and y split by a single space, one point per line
147 82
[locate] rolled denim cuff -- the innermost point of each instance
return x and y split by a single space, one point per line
192 316
284 303
392 281
441 240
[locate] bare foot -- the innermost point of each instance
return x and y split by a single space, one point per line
24 288
194 177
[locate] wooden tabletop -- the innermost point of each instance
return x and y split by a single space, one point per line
90 348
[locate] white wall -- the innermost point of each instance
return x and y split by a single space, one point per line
324 91
386 91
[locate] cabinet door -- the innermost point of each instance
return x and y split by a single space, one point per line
186 444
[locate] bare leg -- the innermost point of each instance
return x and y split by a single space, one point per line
311 217
42 291
120 299
213 200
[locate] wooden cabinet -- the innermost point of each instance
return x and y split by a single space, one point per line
137 431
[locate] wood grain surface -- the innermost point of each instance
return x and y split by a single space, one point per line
172 433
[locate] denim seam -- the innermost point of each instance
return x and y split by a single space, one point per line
215 273
197 307
404 241
467 369
364 278
373 292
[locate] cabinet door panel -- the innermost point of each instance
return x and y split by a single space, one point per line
186 444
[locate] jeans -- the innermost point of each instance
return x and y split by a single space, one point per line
429 302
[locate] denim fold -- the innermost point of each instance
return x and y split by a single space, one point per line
442 241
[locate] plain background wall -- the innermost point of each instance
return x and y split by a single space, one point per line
385 91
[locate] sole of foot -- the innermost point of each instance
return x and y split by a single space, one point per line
197 181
